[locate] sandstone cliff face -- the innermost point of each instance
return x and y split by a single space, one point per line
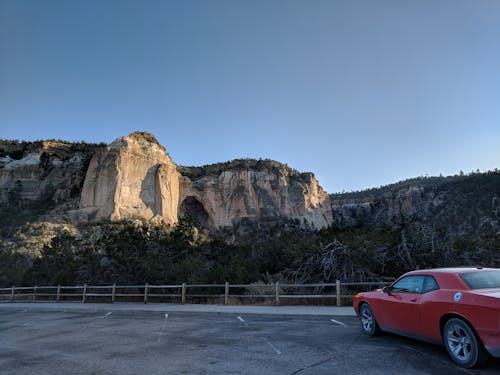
225 199
132 178
54 183
135 178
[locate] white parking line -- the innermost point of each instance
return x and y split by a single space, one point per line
278 352
160 333
108 314
339 323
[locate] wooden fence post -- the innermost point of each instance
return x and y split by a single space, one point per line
34 293
113 293
58 293
337 290
226 294
277 294
146 293
12 296
183 295
84 292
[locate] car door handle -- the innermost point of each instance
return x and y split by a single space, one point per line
413 300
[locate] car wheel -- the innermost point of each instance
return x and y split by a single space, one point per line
367 319
462 344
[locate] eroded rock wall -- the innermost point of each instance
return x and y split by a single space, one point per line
255 195
43 170
132 178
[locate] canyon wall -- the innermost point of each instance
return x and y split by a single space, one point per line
135 178
48 188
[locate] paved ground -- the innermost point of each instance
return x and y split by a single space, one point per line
194 308
160 339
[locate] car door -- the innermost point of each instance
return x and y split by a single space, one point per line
399 305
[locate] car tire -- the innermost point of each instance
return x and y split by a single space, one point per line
367 319
462 344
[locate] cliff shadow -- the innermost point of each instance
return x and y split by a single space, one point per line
148 191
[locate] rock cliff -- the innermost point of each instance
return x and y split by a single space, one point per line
454 205
135 178
226 194
37 171
131 178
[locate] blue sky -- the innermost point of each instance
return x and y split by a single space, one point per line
362 93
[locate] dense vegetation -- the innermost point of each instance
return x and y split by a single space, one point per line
131 253
266 165
461 230
16 149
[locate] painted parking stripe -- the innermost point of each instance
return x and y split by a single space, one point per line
162 328
339 323
108 314
278 352
241 319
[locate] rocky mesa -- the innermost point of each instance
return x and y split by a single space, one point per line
134 177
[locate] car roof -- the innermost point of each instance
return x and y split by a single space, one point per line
451 270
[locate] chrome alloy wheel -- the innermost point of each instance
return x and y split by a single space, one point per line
462 344
459 343
367 318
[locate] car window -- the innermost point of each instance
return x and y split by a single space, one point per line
482 279
430 284
409 284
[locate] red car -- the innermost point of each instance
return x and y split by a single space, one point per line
457 307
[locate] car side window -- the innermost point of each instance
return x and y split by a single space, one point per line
409 284
430 284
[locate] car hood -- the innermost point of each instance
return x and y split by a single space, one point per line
495 293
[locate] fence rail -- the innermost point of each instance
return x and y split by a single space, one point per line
337 292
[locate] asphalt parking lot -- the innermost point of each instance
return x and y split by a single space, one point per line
68 341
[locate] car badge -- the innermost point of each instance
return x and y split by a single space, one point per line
457 297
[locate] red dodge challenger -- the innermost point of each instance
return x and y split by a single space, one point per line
457 307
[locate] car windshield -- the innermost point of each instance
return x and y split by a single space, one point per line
482 280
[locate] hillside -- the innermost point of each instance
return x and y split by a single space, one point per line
124 212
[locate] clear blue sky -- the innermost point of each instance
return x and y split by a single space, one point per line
362 93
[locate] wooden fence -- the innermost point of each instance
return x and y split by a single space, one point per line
277 293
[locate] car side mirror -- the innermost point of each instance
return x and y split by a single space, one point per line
387 289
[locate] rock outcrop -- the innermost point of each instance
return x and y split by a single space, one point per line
455 205
45 170
252 191
388 208
135 178
132 178
50 186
